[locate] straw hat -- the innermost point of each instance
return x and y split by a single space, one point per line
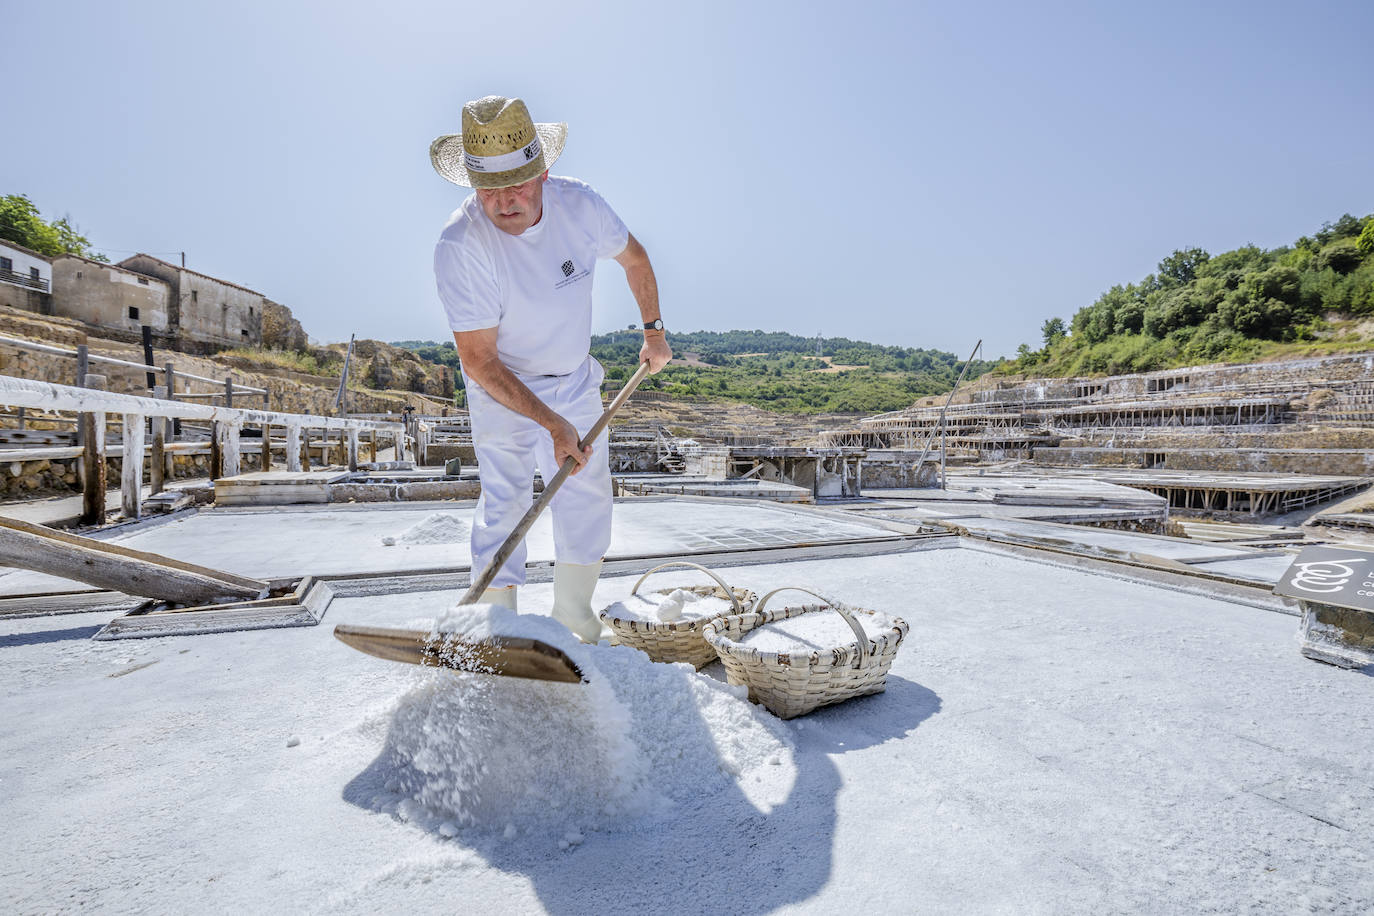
500 145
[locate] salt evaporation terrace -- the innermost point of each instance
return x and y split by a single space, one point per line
1059 734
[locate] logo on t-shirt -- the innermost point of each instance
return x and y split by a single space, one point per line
568 268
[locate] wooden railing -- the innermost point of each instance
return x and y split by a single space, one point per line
92 404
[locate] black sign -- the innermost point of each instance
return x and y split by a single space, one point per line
1331 575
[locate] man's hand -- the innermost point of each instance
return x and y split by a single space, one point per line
655 351
565 440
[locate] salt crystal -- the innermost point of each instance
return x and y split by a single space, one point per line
448 829
293 741
388 542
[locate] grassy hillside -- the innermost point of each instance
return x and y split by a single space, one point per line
774 370
1315 296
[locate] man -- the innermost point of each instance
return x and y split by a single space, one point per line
514 270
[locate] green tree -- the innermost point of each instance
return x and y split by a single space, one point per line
1366 242
1181 266
1052 330
21 223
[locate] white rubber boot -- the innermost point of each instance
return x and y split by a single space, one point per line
502 596
573 585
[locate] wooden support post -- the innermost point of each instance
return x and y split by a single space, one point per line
293 446
93 459
83 368
305 451
171 396
353 450
228 391
131 479
265 459
157 469
372 446
156 466
231 450
21 418
216 450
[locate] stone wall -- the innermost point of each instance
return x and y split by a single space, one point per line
25 479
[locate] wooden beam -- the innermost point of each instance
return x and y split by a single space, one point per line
293 446
104 565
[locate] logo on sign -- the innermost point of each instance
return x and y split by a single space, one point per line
1323 576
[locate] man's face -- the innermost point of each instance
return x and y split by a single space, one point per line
516 208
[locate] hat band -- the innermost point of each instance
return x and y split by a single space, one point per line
504 162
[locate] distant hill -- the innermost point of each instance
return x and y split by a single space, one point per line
1314 296
773 369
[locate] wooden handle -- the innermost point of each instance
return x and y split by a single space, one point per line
479 585
729 592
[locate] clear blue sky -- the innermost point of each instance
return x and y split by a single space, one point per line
916 174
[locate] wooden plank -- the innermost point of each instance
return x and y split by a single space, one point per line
502 655
123 570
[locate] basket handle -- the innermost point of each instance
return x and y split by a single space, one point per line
834 606
719 581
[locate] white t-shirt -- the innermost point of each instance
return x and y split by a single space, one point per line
536 287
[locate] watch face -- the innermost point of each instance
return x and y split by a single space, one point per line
655 325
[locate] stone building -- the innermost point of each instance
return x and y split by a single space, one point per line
25 279
204 313
118 301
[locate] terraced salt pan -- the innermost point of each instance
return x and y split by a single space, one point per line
339 539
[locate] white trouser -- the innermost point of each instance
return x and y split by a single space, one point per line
510 446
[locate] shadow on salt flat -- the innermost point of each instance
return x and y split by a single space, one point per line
712 850
47 636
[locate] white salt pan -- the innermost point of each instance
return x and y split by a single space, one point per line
437 528
819 630
679 605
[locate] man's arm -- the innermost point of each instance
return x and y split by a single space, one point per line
639 273
477 350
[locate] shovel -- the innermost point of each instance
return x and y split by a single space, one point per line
505 655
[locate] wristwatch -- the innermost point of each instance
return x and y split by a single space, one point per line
655 325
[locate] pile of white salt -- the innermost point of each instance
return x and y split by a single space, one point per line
680 604
437 528
819 630
511 758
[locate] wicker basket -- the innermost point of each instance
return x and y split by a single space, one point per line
679 640
793 684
